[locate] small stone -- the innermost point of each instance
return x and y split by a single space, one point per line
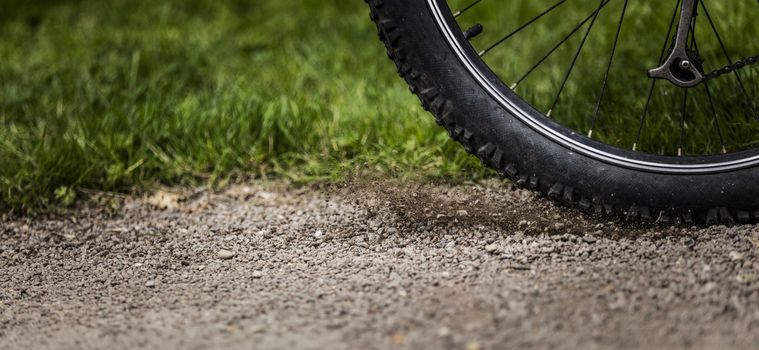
745 278
226 254
689 242
462 212
558 226
257 274
735 256
150 284
318 234
473 345
589 239
267 195
443 331
491 248
548 249
709 287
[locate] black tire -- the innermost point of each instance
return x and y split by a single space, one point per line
507 144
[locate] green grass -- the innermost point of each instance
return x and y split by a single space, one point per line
124 95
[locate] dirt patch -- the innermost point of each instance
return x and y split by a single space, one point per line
372 265
492 203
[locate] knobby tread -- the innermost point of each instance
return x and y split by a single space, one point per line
490 155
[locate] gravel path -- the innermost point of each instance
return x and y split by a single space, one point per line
375 265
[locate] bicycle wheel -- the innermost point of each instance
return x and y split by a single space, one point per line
643 110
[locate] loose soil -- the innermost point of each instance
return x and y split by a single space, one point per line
373 265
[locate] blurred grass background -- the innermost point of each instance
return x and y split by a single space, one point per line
124 95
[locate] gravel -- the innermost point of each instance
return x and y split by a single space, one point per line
395 266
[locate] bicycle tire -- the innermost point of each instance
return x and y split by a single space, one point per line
521 152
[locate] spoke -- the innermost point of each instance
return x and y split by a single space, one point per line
559 44
694 46
684 112
608 69
574 60
466 8
507 36
714 116
693 31
653 81
748 100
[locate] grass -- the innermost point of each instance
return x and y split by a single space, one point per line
124 95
